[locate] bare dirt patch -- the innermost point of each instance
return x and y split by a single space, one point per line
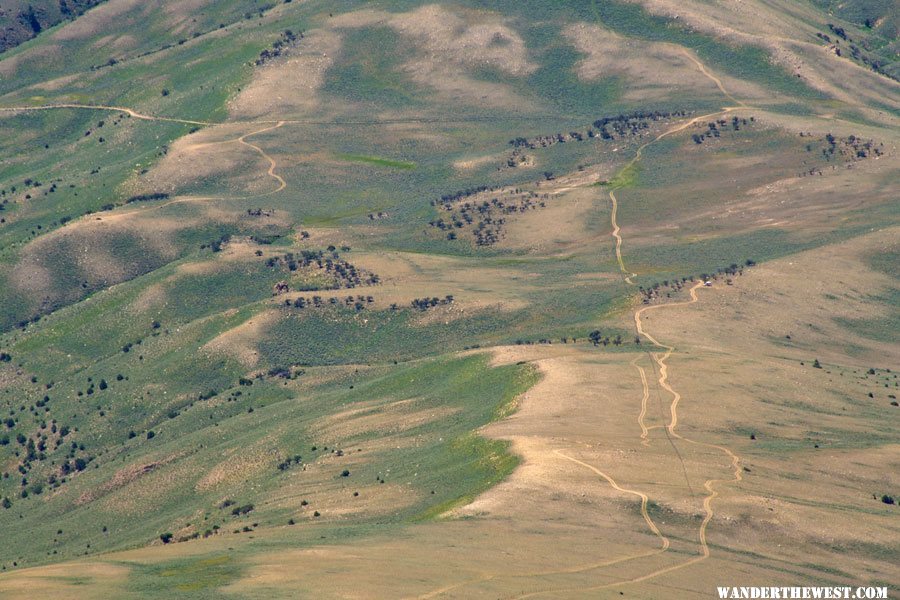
242 341
290 85
469 164
651 69
211 154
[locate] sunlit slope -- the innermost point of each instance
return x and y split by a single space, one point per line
258 258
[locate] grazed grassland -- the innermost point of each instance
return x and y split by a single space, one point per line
416 294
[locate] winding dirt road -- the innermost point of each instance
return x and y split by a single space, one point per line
615 232
660 358
709 75
272 164
710 485
282 184
123 109
644 498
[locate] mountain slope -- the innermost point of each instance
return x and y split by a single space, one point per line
289 289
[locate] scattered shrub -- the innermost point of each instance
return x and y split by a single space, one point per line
242 510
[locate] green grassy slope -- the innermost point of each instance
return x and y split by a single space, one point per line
162 478
119 397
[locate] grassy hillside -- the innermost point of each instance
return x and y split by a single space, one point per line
268 271
267 444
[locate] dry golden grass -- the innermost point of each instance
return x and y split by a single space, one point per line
98 581
97 234
290 86
611 494
241 341
468 164
562 226
241 464
568 521
214 153
152 488
779 27
556 529
652 69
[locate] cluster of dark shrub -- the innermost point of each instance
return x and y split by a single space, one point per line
483 218
260 212
633 123
594 337
547 341
288 462
862 55
605 128
51 442
217 244
35 448
597 338
849 150
148 197
343 273
715 128
667 287
287 38
211 393
424 304
448 199
237 510
76 465
128 346
358 303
